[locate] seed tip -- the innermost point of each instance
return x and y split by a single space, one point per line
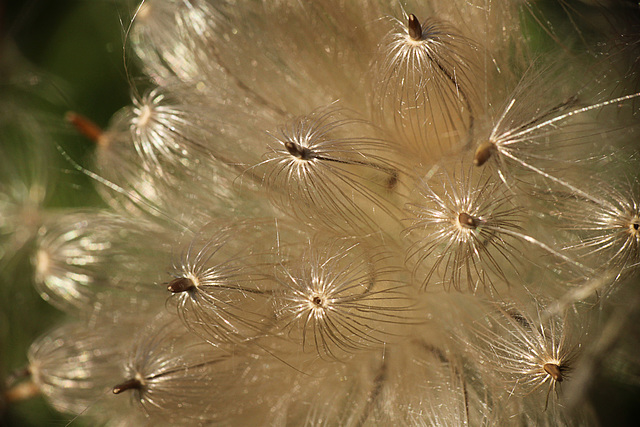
180 284
554 371
132 384
467 221
483 153
415 29
296 150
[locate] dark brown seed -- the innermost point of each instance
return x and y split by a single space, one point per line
415 29
132 384
181 284
467 220
317 301
483 153
553 370
297 150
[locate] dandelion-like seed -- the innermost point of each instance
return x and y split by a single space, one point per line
76 254
466 230
337 300
221 283
463 231
72 365
125 184
607 225
162 135
424 87
533 137
174 388
511 132
145 154
529 351
325 168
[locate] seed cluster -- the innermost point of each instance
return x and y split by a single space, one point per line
345 213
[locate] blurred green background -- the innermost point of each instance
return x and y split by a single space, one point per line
70 53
